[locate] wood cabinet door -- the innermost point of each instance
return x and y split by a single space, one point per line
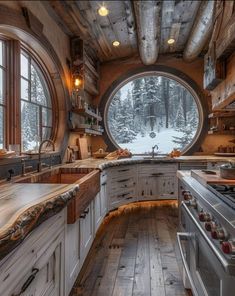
45 277
72 254
86 231
97 211
148 187
103 199
167 186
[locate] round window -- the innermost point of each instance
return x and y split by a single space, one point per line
153 110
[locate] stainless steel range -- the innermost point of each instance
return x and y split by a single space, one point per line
207 240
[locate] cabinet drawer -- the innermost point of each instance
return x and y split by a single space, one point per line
149 169
119 172
18 265
125 195
122 198
122 183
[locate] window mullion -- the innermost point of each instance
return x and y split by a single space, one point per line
13 93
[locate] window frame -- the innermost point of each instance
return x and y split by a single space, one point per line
167 72
12 105
32 61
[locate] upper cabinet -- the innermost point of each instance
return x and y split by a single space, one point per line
219 62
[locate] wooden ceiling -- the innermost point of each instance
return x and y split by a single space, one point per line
174 19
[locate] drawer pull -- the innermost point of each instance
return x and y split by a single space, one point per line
28 282
82 216
86 211
126 170
124 194
103 183
130 197
124 180
157 174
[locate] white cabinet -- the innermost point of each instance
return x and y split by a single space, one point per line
98 217
121 188
86 231
72 254
36 267
157 181
103 193
78 240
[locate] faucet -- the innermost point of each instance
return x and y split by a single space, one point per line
153 148
40 152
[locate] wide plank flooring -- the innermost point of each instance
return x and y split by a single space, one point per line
134 253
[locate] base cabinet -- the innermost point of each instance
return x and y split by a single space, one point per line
157 182
36 268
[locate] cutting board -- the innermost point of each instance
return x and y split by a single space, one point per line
204 178
83 147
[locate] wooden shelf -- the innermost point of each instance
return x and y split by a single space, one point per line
87 112
223 132
86 131
221 114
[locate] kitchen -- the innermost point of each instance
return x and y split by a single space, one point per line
117 148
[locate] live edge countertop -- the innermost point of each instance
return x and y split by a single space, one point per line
103 163
24 206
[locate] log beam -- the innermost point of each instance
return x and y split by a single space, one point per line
147 14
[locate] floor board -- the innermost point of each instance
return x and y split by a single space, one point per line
134 254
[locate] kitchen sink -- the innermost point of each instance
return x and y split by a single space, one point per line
87 179
57 176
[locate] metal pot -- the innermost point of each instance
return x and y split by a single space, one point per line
227 171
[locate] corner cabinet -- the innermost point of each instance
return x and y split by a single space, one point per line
121 185
36 267
157 181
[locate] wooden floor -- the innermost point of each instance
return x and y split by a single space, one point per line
134 253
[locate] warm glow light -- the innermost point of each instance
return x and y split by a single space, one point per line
103 11
77 82
171 41
116 43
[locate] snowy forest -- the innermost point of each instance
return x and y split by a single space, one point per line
153 110
35 109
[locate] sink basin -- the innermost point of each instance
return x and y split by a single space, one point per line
89 186
57 176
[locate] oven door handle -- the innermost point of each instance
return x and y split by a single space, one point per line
185 236
220 257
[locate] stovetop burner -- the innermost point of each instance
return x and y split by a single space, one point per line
226 192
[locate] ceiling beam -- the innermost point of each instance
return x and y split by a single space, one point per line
147 15
200 32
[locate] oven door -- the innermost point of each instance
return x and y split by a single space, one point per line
205 272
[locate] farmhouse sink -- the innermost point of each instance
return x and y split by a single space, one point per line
57 176
88 180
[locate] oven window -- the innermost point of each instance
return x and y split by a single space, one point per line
208 275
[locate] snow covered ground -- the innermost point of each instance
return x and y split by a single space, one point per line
143 145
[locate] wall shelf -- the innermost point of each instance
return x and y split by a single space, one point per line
86 112
86 131
221 132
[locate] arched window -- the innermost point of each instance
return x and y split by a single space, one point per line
36 107
153 109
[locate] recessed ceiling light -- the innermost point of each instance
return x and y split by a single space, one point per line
116 43
103 11
171 41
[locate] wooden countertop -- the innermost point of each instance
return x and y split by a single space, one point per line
103 163
25 206
204 178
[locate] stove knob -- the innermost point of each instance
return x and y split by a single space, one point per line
218 234
228 247
204 217
209 226
187 196
193 203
